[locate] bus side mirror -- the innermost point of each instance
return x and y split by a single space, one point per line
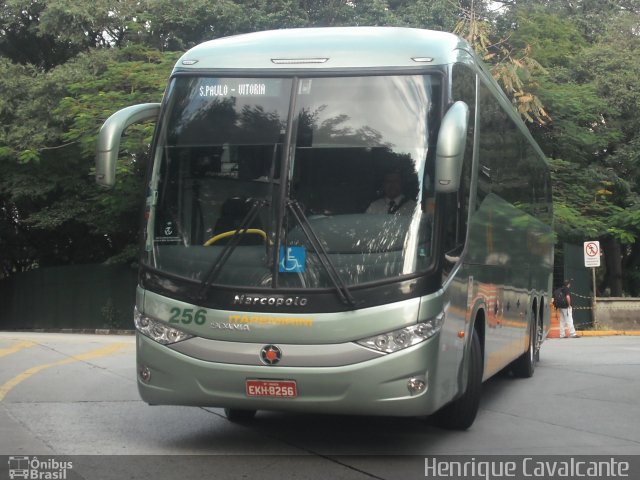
452 140
109 139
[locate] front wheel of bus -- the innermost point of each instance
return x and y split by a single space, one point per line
237 415
460 414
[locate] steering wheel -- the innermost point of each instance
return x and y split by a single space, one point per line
231 233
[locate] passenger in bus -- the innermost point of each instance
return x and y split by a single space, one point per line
394 200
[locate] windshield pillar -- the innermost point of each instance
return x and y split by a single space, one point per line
285 182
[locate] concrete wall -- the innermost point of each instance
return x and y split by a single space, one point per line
618 313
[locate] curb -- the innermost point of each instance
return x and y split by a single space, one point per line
85 331
601 333
607 333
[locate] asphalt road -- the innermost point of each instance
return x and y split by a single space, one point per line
64 394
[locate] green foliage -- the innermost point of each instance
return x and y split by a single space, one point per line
553 41
570 68
578 131
434 15
514 68
590 91
128 77
22 41
52 120
593 203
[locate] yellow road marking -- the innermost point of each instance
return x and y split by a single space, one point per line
100 352
16 348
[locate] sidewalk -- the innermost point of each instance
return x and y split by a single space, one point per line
554 331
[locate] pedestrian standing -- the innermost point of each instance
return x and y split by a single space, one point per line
562 300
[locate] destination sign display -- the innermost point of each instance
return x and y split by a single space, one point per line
239 87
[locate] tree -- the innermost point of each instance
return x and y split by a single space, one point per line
434 15
613 67
514 68
49 201
589 91
22 41
65 65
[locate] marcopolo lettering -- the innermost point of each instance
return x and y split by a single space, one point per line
269 301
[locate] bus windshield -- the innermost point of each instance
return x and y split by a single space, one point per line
274 182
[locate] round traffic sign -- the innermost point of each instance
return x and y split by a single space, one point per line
592 249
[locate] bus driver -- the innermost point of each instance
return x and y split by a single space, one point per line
394 201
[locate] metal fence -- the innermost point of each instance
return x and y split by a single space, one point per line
573 268
69 297
611 313
103 296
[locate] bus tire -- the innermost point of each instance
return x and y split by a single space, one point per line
461 413
238 415
525 364
539 339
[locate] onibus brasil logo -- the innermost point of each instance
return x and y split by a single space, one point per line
33 468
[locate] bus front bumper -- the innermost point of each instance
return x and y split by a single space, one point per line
379 386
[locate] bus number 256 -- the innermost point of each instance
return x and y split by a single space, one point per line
188 315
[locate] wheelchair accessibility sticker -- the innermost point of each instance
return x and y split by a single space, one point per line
292 261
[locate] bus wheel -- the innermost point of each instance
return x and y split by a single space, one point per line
237 415
525 364
539 337
460 414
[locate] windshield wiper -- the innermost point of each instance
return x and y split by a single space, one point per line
231 245
341 287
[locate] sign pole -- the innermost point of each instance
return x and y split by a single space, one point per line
592 259
593 303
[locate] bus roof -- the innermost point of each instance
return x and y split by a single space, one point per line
326 48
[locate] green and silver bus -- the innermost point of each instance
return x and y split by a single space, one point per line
275 272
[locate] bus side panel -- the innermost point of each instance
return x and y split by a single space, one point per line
497 261
447 381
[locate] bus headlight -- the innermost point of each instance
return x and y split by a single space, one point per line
158 331
395 340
